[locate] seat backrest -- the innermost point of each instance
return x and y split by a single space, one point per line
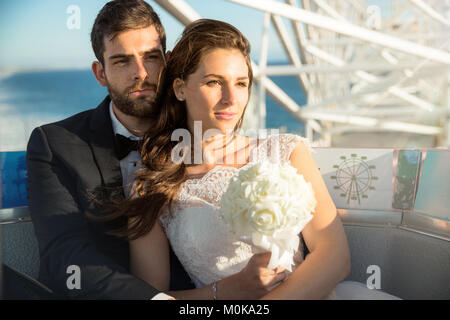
19 244
381 196
411 265
13 179
20 247
394 206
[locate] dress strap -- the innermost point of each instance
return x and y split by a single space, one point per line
280 146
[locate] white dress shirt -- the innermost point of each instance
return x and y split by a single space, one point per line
129 164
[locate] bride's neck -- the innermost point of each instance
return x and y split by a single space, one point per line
216 148
218 141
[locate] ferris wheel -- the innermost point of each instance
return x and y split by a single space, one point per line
363 65
354 178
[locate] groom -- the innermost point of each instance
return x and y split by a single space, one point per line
88 153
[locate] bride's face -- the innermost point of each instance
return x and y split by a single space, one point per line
217 92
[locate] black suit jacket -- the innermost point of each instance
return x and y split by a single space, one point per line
67 161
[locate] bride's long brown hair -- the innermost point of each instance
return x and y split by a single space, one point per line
158 182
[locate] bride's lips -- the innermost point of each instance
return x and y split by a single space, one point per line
225 115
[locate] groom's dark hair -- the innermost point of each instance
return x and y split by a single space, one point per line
121 15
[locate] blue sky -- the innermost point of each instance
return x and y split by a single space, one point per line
33 33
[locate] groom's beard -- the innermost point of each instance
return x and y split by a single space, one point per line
141 106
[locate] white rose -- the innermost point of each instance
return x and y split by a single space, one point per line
266 217
272 203
268 198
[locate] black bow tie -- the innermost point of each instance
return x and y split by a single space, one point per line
124 146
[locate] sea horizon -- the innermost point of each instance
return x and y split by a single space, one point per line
15 69
31 97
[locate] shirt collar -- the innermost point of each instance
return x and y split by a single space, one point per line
118 127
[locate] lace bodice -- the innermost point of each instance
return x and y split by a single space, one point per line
202 241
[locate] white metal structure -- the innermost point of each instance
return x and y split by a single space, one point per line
361 70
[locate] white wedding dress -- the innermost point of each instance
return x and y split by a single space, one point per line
202 241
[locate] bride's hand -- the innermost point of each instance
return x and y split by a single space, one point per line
256 280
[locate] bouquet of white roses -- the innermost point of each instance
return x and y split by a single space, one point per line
271 204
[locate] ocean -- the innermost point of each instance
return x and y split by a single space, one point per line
30 99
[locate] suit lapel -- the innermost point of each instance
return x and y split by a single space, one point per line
102 143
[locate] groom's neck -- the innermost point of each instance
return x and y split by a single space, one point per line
136 125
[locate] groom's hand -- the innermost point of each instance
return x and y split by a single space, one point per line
256 279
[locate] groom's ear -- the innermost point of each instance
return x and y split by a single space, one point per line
99 73
167 56
178 88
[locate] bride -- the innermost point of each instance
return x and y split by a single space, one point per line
207 80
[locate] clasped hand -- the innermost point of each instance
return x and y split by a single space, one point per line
256 280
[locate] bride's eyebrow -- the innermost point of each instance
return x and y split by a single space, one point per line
212 75
221 77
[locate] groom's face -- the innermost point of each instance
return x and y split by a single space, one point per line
133 61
